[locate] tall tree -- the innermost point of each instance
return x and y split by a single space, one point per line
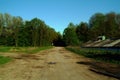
70 36
1 23
97 26
118 25
82 32
8 30
111 25
35 23
41 33
17 21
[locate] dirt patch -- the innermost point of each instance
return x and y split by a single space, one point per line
37 66
66 56
51 62
27 56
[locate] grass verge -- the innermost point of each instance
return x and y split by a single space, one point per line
4 60
37 49
4 49
26 50
29 50
99 55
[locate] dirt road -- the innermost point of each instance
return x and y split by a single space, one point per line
53 64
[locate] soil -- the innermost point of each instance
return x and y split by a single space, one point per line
52 64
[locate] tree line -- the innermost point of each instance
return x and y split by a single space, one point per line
16 32
99 24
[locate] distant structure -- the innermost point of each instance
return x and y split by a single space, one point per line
101 37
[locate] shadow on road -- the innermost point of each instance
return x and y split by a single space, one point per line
103 68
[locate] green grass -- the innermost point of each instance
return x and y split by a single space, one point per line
29 50
4 49
4 60
99 55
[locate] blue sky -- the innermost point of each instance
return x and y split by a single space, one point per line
58 13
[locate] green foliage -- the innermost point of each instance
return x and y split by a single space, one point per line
39 34
100 55
82 32
105 24
70 36
15 32
4 60
99 24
